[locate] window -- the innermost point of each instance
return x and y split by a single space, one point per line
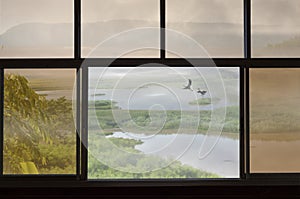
149 91
274 140
105 19
44 30
152 128
207 22
39 122
275 28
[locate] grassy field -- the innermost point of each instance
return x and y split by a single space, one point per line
173 119
274 104
204 101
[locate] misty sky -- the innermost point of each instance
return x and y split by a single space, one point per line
119 72
205 11
15 12
147 71
265 12
105 10
276 12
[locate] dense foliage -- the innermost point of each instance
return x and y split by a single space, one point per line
131 163
36 130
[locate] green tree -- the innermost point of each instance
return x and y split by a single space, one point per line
25 123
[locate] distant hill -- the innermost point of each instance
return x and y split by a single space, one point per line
217 38
292 42
43 34
36 34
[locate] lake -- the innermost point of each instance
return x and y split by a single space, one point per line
215 154
221 158
158 98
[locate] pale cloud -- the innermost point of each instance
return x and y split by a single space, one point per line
106 10
16 12
276 12
205 11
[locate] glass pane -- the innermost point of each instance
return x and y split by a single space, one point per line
275 28
160 122
39 130
36 28
217 26
274 120
105 20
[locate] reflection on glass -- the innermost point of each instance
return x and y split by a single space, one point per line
275 28
104 20
274 120
217 25
39 131
36 28
156 122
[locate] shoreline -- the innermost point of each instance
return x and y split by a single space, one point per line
234 136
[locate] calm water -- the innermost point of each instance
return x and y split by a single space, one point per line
221 158
157 97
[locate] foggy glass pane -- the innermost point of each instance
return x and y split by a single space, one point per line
105 20
274 120
39 127
36 28
275 28
160 122
217 25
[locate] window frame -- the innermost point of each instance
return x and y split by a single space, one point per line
80 178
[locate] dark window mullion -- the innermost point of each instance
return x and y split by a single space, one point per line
78 126
39 63
84 123
77 55
247 123
247 29
226 62
72 63
162 29
274 63
245 86
1 120
77 29
242 122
